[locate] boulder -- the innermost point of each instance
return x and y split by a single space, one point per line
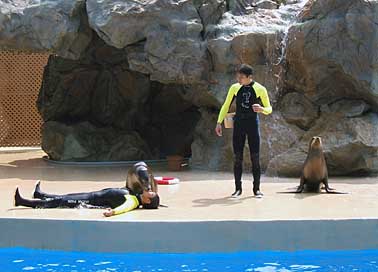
59 27
162 38
85 142
349 144
332 52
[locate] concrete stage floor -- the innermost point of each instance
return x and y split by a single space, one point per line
201 197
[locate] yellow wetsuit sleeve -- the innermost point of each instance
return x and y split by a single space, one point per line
131 202
226 105
263 94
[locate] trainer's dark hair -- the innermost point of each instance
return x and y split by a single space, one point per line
155 201
245 69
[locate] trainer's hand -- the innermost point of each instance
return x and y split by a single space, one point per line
218 129
257 108
108 212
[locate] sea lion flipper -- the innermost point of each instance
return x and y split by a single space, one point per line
292 188
301 184
329 189
298 191
332 191
337 192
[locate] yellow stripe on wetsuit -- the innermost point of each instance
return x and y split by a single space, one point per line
131 202
260 91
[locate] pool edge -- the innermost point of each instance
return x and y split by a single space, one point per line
188 237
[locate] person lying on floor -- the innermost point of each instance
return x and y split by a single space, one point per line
116 200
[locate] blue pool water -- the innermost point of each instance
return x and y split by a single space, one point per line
20 259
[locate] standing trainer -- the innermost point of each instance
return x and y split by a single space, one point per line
251 98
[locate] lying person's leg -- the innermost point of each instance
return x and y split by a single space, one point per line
39 194
61 201
42 195
33 203
109 197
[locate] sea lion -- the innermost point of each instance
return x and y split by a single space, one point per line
314 172
139 178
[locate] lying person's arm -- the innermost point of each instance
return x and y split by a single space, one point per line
131 202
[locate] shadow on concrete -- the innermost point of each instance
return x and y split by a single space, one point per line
304 195
37 168
40 169
224 201
18 209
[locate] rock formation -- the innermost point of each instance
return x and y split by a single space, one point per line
130 80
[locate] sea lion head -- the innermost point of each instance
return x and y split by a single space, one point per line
141 170
316 143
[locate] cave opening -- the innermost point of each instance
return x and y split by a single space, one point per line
98 109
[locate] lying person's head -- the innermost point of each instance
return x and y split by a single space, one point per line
150 200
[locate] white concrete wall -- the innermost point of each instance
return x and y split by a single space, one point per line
177 237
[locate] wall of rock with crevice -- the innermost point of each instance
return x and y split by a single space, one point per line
132 80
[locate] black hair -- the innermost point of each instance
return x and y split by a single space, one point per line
154 204
245 69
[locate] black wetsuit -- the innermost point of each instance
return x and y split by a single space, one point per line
106 198
246 125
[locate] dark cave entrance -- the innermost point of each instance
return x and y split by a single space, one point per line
98 106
